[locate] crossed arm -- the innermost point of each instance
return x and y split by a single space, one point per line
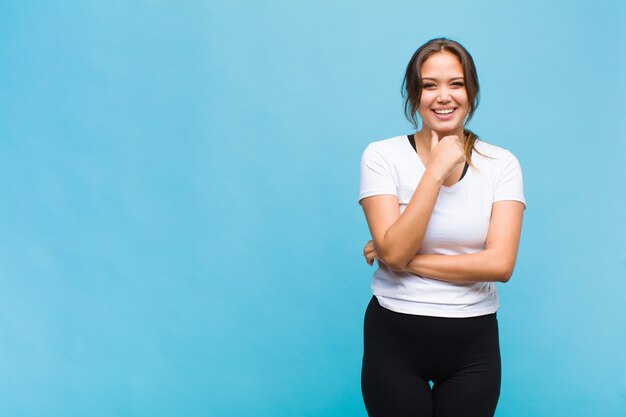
495 263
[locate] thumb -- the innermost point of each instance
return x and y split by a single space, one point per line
434 140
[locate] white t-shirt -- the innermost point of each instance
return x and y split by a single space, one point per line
458 225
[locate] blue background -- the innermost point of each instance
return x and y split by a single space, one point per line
179 227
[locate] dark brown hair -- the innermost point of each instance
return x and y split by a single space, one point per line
412 83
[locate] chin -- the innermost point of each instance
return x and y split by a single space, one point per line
445 130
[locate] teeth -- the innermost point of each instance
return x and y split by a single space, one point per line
447 111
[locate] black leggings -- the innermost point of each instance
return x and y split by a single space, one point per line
403 353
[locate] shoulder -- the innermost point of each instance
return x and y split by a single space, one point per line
390 144
386 148
490 149
498 164
490 154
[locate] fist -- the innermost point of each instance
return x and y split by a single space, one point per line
369 252
445 154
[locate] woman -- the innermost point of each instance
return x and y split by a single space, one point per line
444 211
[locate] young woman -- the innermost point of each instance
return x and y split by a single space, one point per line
445 213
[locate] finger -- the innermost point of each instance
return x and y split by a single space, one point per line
434 139
463 157
459 143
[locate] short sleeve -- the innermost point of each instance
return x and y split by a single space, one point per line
509 182
376 178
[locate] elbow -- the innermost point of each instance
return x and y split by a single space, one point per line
504 277
395 263
501 265
397 266
505 272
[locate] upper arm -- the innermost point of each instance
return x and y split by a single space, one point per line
504 232
378 192
381 212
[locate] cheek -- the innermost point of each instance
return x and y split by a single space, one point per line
461 98
426 101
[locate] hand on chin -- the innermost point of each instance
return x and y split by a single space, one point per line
445 132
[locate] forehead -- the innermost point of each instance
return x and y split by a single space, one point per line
441 64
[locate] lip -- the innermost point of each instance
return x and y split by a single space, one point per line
444 116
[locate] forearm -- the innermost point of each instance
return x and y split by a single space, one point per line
483 266
404 238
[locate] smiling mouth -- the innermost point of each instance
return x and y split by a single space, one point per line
443 112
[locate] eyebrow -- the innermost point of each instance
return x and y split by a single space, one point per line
434 79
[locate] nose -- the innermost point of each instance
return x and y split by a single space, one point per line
444 95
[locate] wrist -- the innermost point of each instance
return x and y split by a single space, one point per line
434 177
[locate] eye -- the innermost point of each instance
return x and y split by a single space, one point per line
429 85
458 84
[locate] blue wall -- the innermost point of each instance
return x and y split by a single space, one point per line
179 227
